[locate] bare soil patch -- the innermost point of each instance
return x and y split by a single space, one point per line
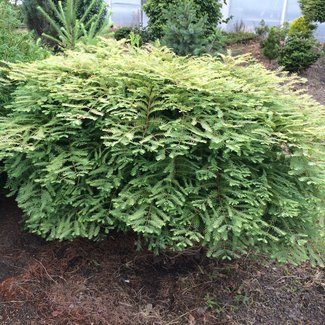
109 282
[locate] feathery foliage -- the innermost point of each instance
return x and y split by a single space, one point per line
182 151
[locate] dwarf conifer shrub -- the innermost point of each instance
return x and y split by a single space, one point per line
184 32
272 44
155 9
276 37
299 53
182 151
262 31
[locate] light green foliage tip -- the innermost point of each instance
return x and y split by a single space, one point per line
302 27
182 151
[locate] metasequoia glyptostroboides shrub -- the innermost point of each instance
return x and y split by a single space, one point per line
182 151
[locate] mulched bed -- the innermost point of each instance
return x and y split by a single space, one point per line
109 282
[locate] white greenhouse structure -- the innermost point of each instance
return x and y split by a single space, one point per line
250 12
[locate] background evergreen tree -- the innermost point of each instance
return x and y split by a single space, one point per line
313 10
69 30
36 22
157 20
184 32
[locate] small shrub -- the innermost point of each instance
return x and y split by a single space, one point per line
180 150
313 10
211 9
262 28
184 33
274 41
122 33
262 31
302 27
299 53
146 36
271 46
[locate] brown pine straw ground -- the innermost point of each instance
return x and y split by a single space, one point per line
110 283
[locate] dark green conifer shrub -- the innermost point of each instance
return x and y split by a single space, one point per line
299 53
300 49
180 150
184 32
262 32
272 44
123 33
272 39
157 20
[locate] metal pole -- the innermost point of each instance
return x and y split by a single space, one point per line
284 11
141 13
225 13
